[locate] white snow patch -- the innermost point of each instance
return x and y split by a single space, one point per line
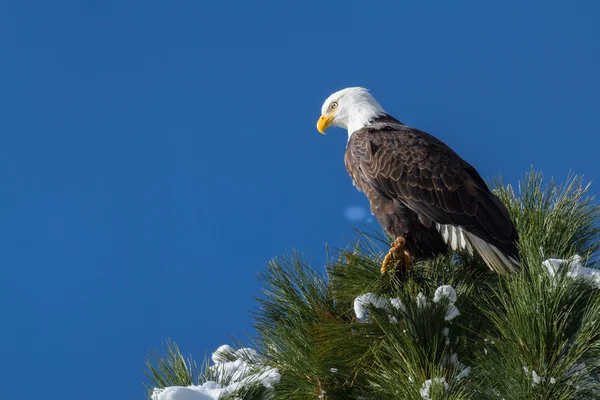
457 365
222 354
429 383
364 300
397 303
447 292
463 374
421 300
451 313
536 378
446 333
576 270
245 369
444 291
208 391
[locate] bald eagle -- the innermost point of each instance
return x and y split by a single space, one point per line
423 194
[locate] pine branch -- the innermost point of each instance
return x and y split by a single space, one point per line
170 368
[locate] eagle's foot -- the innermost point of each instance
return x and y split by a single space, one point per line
397 256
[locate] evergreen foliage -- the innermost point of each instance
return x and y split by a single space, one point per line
170 368
529 335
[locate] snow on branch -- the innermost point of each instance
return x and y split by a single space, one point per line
444 292
575 269
232 371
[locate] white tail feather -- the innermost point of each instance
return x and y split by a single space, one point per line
454 242
462 241
455 237
493 257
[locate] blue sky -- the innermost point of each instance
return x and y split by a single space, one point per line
155 155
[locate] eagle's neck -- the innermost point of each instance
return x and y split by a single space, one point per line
360 122
386 119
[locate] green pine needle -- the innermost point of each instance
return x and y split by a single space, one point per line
170 368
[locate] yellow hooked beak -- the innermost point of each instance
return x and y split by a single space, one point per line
324 122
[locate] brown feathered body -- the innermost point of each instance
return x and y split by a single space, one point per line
420 189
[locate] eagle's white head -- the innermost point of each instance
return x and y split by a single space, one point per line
351 108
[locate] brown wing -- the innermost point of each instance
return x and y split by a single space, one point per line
393 161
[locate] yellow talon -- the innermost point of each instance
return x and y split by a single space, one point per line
389 258
396 250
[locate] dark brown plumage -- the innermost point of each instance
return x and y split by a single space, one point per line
421 190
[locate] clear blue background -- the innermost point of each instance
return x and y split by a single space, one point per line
155 155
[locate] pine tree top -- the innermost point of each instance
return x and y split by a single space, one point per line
444 329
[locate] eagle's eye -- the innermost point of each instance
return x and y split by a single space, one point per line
333 105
